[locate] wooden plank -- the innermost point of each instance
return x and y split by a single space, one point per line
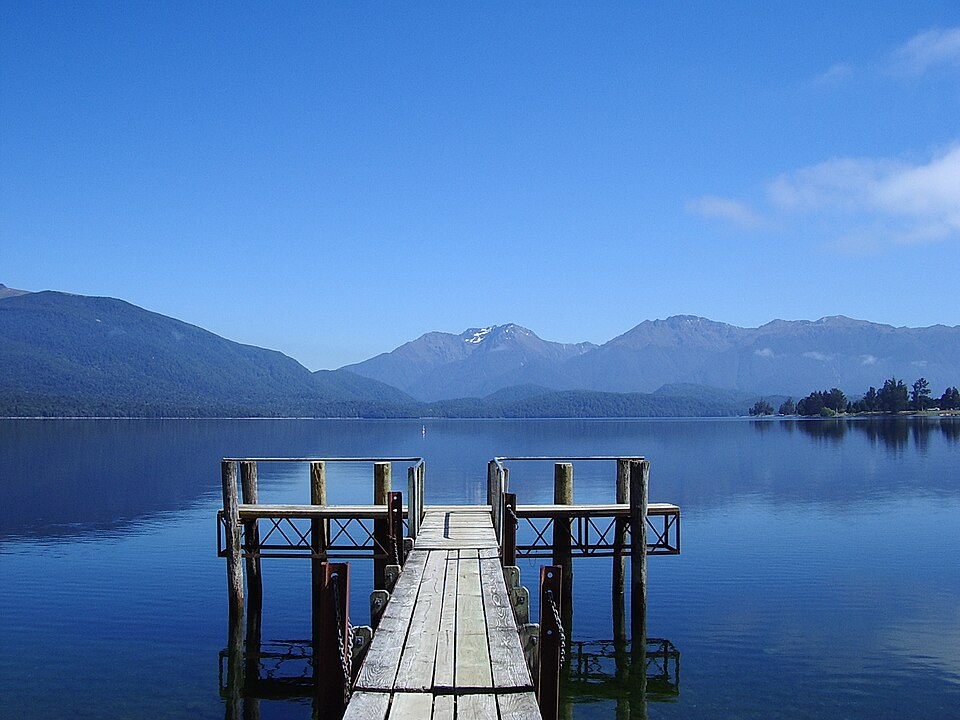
508 668
411 706
476 707
446 638
443 707
593 510
420 649
361 512
459 508
472 670
367 706
383 658
518 706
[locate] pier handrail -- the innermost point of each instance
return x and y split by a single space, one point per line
417 460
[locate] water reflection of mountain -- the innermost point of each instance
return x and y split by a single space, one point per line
63 478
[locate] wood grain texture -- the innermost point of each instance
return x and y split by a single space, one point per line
476 707
411 706
518 706
444 707
447 646
367 706
446 636
420 649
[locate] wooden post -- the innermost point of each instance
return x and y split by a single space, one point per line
619 557
318 533
562 537
421 481
413 511
639 485
251 538
251 535
548 680
231 519
319 529
331 608
395 527
509 529
494 493
382 483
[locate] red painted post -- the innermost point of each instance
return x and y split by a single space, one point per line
509 528
551 641
395 527
331 641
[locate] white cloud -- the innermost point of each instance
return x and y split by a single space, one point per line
869 359
833 75
928 49
816 356
765 353
735 211
878 199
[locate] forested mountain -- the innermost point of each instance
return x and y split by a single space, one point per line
781 357
475 363
64 355
67 354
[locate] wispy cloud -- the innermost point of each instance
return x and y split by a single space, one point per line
925 51
885 199
868 203
733 211
834 75
928 49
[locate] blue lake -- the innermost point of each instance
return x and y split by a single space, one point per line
818 572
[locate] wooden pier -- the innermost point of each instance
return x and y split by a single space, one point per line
447 645
450 635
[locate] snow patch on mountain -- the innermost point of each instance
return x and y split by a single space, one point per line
476 335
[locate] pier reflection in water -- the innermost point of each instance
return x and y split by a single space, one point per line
596 671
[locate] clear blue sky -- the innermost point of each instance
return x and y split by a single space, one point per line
333 179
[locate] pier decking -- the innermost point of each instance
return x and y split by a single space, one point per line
447 645
450 634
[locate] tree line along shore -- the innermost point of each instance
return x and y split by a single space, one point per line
893 397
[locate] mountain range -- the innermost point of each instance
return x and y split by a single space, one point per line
781 357
64 354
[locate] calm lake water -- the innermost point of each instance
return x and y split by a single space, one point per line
819 572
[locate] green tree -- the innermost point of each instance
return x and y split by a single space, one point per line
893 396
787 407
761 407
835 400
950 400
920 396
812 404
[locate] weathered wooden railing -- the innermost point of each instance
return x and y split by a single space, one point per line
631 528
326 534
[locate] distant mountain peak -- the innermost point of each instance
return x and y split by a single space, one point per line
475 336
11 292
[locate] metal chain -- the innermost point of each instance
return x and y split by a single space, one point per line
513 516
393 546
556 619
346 656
